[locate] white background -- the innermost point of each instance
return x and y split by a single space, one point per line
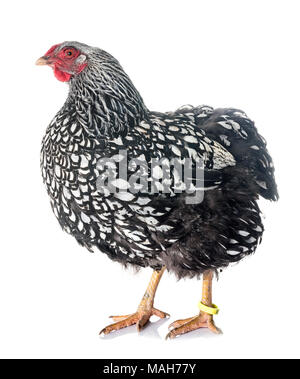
55 296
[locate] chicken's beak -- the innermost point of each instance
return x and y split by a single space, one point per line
42 61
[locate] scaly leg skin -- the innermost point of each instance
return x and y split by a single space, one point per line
203 320
145 309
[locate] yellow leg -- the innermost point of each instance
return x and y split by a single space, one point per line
145 309
203 320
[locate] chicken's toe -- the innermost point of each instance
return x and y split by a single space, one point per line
140 318
203 320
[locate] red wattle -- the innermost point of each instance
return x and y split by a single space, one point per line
61 75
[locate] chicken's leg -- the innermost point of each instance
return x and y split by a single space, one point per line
205 317
145 309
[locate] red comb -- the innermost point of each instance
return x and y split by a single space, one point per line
50 51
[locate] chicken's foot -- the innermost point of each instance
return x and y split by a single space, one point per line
145 309
205 317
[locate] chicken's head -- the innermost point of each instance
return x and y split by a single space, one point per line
67 59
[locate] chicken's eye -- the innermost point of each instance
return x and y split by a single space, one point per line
69 53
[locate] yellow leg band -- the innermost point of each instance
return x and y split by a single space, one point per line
210 310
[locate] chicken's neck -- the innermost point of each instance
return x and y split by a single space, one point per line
106 104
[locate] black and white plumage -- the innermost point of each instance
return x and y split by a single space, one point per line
105 114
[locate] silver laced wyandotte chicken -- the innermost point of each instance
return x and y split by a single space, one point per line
175 191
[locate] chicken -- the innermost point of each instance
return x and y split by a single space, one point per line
175 191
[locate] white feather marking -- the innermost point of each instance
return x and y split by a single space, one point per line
243 233
176 150
233 252
262 184
120 183
190 139
124 196
85 218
